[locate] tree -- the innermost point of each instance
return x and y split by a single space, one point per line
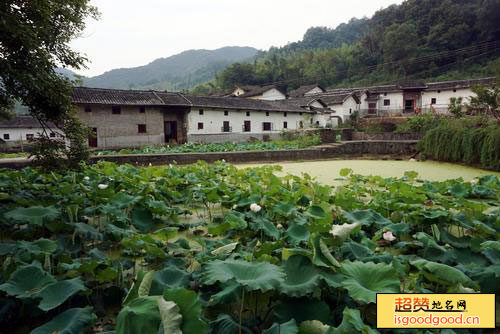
34 38
486 100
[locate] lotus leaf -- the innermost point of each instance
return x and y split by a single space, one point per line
141 315
36 215
171 318
27 281
351 323
190 309
254 276
57 293
72 321
224 324
289 327
364 280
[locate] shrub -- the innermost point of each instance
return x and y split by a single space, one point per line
461 142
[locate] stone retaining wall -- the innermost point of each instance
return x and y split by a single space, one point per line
386 136
329 151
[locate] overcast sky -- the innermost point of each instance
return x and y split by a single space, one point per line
133 33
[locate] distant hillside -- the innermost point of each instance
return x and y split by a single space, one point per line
418 39
182 71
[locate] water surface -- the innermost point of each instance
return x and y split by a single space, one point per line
326 171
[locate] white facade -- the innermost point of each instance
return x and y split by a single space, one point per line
270 95
23 134
442 98
209 124
345 109
315 90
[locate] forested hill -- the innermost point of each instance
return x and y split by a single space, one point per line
418 39
182 71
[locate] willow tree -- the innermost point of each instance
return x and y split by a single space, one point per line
34 40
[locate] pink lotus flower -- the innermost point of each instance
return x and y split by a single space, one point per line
389 236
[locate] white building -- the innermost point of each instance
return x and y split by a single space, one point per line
270 92
124 118
21 129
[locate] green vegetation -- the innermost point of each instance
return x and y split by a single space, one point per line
213 249
13 155
436 40
301 142
463 142
35 40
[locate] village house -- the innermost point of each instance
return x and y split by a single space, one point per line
126 118
123 118
399 99
306 91
20 130
270 92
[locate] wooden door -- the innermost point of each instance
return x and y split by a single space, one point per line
170 129
247 127
93 137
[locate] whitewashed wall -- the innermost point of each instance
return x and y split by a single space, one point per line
315 90
396 102
213 121
271 95
17 134
344 110
443 98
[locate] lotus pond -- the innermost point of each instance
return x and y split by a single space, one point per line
218 249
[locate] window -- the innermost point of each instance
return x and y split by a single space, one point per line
141 128
201 111
267 113
200 126
226 113
285 114
454 91
387 102
439 91
116 110
30 136
88 109
248 113
142 110
247 127
6 136
266 126
350 110
385 94
300 114
433 100
52 135
285 125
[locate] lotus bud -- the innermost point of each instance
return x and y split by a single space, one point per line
86 178
255 207
412 160
279 226
473 182
102 186
389 236
150 164
235 206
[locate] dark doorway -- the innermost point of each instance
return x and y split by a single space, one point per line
409 105
372 108
93 137
247 126
226 127
170 129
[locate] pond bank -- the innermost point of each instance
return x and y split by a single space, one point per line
393 148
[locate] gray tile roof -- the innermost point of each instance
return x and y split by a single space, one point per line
20 122
258 90
299 92
456 84
83 95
